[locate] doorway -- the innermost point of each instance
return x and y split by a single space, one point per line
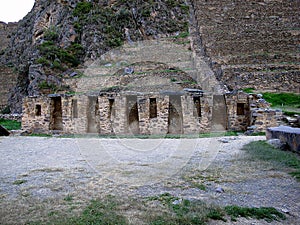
93 114
175 115
56 114
219 113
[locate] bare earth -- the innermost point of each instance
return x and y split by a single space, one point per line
38 174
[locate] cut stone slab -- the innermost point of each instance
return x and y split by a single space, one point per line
288 135
4 131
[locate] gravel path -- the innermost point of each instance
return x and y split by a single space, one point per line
37 174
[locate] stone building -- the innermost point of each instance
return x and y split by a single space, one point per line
189 111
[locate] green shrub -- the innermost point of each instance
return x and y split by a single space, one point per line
82 8
51 34
46 85
57 65
43 61
51 52
248 90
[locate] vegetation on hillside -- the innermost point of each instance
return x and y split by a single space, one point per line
56 57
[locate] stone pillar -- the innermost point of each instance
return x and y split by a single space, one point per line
68 126
159 125
120 121
80 123
144 112
206 113
105 115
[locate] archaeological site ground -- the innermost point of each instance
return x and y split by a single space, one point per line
151 112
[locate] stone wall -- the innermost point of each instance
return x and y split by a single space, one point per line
238 111
115 113
32 121
186 112
264 118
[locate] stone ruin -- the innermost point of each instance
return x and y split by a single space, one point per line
172 91
189 111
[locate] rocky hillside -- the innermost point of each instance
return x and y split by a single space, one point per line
248 44
8 75
252 44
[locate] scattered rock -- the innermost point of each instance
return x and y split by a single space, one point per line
227 140
177 202
74 74
128 70
108 65
220 190
277 143
224 140
286 211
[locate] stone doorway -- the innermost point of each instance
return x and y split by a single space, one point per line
93 114
175 115
56 114
133 115
219 113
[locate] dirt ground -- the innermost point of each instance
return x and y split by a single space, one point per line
38 175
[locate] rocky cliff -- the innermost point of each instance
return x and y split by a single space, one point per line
8 76
58 36
248 44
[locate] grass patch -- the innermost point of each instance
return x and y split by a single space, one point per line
183 211
249 90
199 186
258 134
171 210
260 150
282 99
98 212
10 124
267 213
39 135
68 198
19 182
290 113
